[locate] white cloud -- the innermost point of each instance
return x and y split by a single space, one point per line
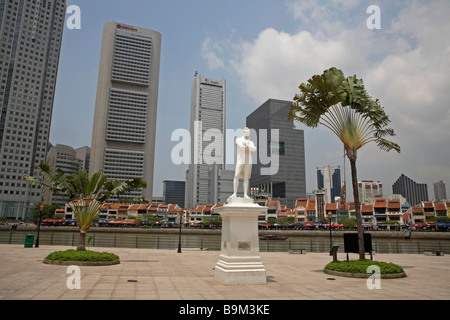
405 65
276 63
210 51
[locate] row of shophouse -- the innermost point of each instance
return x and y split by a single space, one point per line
305 211
381 211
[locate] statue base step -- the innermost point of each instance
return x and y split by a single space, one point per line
249 270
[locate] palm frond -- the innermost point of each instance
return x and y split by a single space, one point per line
85 211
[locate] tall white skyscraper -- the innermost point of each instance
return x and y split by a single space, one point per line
123 137
208 105
30 42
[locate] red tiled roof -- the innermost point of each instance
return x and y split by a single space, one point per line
115 206
428 204
417 209
366 208
311 206
407 215
332 206
273 203
439 206
393 204
301 202
105 206
380 203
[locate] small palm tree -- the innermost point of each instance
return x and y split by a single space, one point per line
83 194
344 106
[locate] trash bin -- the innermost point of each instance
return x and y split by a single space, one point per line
29 239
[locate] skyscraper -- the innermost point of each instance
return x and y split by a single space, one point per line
414 192
329 178
286 180
439 191
123 137
65 158
173 192
30 40
208 105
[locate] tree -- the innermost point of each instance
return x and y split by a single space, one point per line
83 194
344 106
48 211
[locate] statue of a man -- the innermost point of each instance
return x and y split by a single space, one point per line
243 171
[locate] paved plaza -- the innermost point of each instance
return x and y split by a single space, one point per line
167 275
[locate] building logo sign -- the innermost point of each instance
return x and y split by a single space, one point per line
120 26
209 81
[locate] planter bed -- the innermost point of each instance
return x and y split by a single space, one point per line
82 258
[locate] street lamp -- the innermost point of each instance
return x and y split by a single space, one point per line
179 234
331 238
41 208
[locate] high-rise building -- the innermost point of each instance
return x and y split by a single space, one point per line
65 158
208 106
30 39
369 191
286 180
221 185
439 191
173 192
84 154
123 137
329 178
414 192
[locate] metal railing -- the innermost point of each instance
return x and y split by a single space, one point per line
169 242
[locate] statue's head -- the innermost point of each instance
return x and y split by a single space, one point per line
246 132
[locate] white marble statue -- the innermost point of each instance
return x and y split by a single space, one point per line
244 147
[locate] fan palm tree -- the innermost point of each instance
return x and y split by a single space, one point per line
84 194
344 106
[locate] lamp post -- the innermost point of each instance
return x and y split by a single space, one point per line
331 238
179 235
41 208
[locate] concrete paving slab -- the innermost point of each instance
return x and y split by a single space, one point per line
148 274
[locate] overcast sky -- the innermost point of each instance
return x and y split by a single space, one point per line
265 49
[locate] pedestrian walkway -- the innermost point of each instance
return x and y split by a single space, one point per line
167 275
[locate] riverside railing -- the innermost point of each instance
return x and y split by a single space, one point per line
169 242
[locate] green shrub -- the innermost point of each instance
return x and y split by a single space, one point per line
360 266
81 255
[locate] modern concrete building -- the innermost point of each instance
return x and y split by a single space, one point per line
439 191
286 180
30 42
65 158
221 185
84 154
330 180
208 106
173 192
414 192
369 191
123 137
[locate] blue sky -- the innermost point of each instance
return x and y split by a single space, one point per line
265 49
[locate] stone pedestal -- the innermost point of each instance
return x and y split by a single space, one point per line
239 261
